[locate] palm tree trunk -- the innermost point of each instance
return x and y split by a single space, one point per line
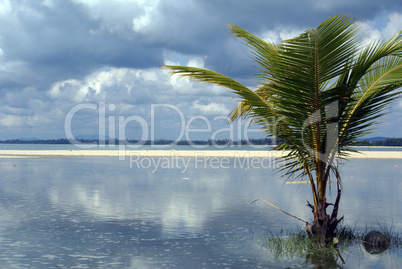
324 227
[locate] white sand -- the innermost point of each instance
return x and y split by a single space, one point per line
176 153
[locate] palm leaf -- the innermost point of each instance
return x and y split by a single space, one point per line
301 79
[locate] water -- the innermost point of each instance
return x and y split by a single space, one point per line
158 147
127 147
97 212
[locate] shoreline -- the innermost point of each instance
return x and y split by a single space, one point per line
178 153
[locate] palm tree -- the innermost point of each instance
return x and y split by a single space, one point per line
321 91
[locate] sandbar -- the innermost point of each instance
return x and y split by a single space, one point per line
178 153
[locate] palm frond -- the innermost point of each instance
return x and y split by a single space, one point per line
303 78
243 109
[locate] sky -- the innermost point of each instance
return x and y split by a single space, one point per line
90 67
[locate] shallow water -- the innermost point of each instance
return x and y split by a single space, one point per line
98 212
73 147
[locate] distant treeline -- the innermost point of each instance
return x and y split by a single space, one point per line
389 142
219 142
46 141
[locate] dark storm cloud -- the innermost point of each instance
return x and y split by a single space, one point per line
260 14
200 27
257 16
56 54
64 40
69 38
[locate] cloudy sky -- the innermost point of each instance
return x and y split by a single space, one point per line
89 67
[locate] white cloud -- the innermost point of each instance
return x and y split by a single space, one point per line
74 40
132 91
197 62
24 108
281 33
142 23
394 25
114 16
126 82
10 120
5 7
271 36
211 108
48 3
187 86
371 33
94 86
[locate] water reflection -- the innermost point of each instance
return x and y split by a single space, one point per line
97 212
326 261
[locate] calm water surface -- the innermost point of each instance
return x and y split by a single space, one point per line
99 212
156 147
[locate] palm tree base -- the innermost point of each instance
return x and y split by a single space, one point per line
324 228
323 231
